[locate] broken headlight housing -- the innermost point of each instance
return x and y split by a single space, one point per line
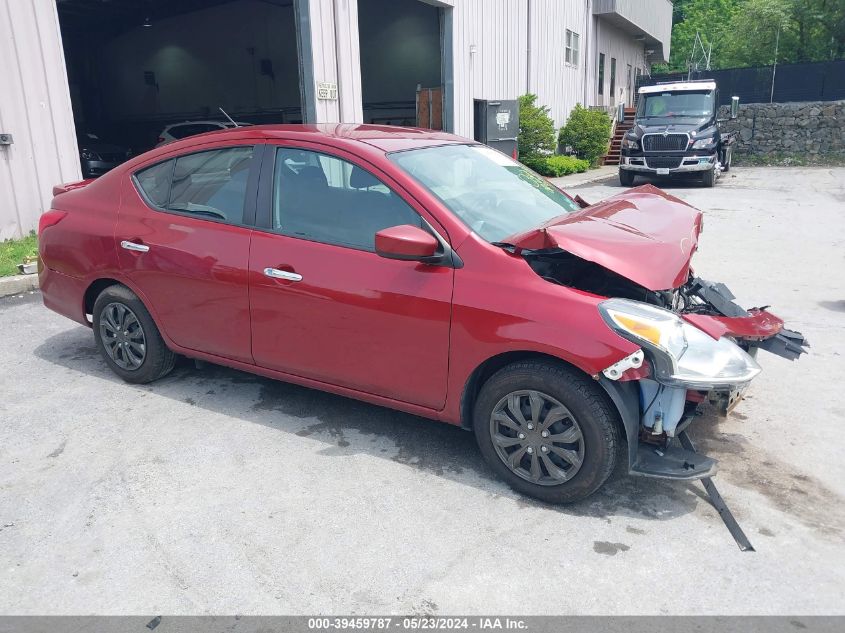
682 354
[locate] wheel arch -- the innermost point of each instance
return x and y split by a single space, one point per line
485 370
624 396
96 286
93 291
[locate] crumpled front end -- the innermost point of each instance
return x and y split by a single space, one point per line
695 343
702 347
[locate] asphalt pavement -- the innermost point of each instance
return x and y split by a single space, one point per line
217 492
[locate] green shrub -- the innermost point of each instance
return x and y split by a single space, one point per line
536 129
587 132
563 165
556 166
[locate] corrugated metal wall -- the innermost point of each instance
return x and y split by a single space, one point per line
556 84
626 51
652 16
35 109
519 47
489 47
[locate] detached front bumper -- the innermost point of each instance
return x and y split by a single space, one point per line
668 165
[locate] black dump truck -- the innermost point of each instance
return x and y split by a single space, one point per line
676 132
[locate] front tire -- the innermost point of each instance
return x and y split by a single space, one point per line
626 178
709 177
547 430
128 338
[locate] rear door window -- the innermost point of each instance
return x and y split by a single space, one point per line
154 182
210 184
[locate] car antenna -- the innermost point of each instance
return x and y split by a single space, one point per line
227 116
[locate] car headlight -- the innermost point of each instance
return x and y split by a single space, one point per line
87 154
630 143
680 352
703 142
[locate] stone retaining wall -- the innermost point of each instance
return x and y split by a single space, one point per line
813 128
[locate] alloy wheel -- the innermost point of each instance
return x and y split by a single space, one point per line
537 437
122 336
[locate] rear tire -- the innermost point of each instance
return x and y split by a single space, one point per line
547 430
128 338
709 177
626 178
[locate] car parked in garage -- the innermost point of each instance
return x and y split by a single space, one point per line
420 271
178 131
96 157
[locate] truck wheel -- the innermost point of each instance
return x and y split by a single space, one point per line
626 178
547 430
709 178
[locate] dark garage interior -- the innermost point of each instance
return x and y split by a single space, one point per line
135 66
400 48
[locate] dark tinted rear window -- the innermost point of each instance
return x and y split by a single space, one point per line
155 182
212 184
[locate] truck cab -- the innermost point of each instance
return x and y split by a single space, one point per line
676 132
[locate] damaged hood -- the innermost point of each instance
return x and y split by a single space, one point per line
644 235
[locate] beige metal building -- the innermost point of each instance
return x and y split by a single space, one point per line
125 69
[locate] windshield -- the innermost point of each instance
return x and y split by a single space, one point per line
687 104
494 195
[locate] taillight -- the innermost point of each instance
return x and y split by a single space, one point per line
515 154
49 218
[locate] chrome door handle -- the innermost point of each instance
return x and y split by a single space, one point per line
275 273
132 246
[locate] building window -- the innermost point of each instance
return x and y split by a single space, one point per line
601 73
613 78
629 85
573 47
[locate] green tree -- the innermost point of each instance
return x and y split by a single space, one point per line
755 31
709 18
536 129
744 32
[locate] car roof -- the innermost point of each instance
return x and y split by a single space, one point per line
387 138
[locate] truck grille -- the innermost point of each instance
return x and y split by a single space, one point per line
662 162
668 143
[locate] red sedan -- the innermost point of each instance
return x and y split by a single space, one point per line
420 271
